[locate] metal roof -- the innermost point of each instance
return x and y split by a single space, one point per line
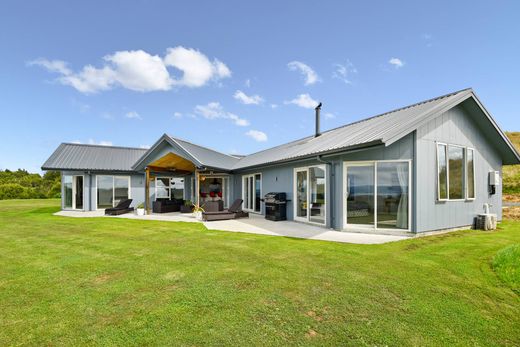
207 157
72 156
385 128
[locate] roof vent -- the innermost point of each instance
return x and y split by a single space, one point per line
317 109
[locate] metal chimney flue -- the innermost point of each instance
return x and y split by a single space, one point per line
317 109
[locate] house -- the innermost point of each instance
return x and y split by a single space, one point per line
425 167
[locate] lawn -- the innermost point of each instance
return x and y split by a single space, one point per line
104 281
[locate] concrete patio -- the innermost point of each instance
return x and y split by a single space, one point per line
257 224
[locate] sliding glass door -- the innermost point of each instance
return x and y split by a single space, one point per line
73 192
377 195
252 192
111 190
310 194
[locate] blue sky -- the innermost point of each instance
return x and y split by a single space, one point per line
238 76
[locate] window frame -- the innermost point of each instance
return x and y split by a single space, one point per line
465 174
307 218
113 188
169 187
437 144
246 177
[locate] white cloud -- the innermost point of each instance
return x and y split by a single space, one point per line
246 99
396 62
303 100
133 115
329 115
214 110
92 142
309 74
177 115
58 66
140 71
144 146
257 135
196 67
343 71
273 106
247 83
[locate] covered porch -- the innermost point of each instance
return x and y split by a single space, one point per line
174 177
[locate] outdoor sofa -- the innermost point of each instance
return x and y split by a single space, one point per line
121 208
164 206
234 211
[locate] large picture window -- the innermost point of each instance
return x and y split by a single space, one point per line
169 188
455 172
111 190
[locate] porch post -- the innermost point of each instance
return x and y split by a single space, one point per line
147 190
197 185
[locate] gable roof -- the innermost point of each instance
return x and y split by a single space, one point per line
200 156
383 129
72 156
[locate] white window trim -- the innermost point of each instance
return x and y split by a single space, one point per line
113 189
465 166
466 173
295 205
169 187
439 171
253 210
74 194
346 226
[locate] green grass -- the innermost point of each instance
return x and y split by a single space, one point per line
107 281
507 266
511 173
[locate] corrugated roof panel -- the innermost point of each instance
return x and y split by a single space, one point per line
354 134
71 156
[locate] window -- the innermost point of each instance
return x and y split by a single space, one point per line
169 188
111 190
470 173
455 172
442 172
252 192
73 192
310 192
377 194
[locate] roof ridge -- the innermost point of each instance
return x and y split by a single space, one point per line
194 144
102 146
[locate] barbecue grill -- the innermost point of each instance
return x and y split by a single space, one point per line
275 206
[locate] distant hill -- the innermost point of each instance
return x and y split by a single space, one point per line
511 173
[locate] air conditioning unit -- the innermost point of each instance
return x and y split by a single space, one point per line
486 221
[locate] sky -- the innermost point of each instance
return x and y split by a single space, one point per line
238 76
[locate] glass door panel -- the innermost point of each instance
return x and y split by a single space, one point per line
120 189
301 194
258 192
392 195
360 194
105 186
67 190
317 195
78 192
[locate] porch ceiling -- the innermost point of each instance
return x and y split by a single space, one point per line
172 162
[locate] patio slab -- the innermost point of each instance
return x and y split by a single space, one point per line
257 224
